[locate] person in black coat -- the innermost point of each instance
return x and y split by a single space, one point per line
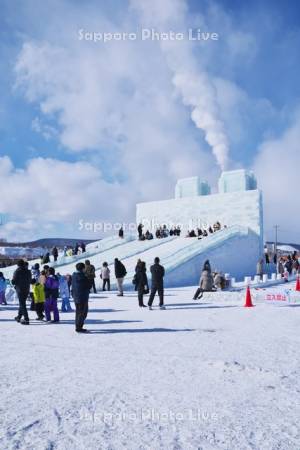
141 282
55 253
46 258
120 273
80 293
157 283
140 230
121 233
21 281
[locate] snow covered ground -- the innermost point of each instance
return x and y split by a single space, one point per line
201 375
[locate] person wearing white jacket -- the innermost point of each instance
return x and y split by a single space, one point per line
105 276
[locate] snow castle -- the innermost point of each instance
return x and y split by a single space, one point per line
238 202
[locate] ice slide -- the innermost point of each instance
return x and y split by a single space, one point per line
233 250
69 262
105 250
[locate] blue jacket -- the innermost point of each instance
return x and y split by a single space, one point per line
80 287
63 287
3 284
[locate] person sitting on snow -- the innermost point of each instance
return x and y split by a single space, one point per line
206 282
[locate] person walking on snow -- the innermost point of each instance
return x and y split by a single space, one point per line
120 273
90 274
51 293
81 292
64 294
141 282
157 283
105 276
21 281
3 286
38 298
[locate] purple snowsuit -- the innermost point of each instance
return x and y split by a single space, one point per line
51 291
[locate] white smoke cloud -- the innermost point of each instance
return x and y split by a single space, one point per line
198 92
193 84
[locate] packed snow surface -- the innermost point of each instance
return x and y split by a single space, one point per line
200 375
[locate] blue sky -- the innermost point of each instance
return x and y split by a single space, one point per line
81 103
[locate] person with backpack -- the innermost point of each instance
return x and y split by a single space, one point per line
51 293
81 292
90 274
21 281
120 273
157 283
3 285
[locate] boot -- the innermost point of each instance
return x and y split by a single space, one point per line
196 294
24 322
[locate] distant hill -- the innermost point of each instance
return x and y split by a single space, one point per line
48 242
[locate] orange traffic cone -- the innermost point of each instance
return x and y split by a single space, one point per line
248 301
297 284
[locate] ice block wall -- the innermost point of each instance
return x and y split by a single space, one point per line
234 208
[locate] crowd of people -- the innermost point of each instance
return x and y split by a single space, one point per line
285 265
204 232
43 286
162 231
78 249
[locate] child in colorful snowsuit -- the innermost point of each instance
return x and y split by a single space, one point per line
3 285
39 298
51 292
64 294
